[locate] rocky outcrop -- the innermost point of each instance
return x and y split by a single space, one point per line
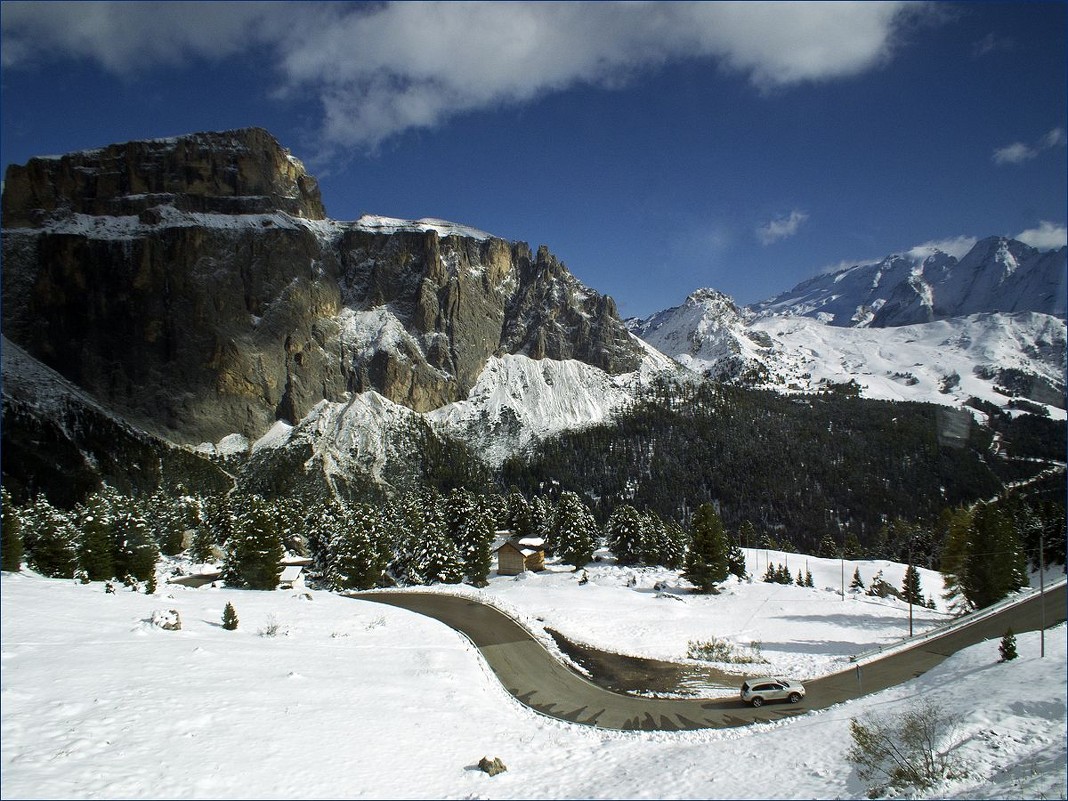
232 172
193 285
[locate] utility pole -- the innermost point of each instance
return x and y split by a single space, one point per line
1041 596
907 587
843 585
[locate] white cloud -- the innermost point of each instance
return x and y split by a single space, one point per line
781 227
1018 152
1048 236
380 69
955 246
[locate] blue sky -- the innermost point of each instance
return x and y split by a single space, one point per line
655 148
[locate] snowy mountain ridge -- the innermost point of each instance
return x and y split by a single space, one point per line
922 326
925 284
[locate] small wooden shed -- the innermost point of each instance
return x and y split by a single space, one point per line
517 555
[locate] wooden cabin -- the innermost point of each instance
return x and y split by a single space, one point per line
517 555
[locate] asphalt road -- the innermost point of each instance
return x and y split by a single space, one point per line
537 679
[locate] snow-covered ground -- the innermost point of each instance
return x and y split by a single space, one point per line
359 700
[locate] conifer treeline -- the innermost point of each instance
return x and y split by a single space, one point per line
431 537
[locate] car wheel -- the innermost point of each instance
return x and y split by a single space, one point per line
758 701
795 697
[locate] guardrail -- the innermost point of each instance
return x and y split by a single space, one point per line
961 622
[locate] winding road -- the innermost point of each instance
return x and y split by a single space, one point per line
540 681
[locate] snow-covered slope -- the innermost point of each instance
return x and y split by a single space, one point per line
991 356
518 400
355 699
926 283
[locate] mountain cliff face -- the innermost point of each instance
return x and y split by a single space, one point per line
996 275
195 285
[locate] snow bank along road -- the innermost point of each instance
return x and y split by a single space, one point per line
540 681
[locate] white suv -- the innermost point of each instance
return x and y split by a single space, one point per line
772 688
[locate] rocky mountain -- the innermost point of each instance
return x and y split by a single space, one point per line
925 284
194 286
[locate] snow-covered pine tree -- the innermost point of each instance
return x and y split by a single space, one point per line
671 544
625 534
473 538
136 550
229 617
574 531
808 578
857 584
11 544
541 520
435 558
51 540
253 559
520 516
96 537
356 559
706 561
220 522
166 519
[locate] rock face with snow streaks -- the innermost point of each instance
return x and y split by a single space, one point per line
195 285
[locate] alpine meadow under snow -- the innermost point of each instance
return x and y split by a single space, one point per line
315 695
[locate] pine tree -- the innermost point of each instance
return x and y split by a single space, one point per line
736 561
747 535
435 559
474 544
96 541
956 525
857 584
219 524
800 578
356 557
52 549
520 520
706 561
11 544
1007 649
574 530
229 617
625 534
808 578
996 564
828 548
852 548
253 559
911 592
136 550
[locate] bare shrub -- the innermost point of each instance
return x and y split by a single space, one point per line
717 650
902 751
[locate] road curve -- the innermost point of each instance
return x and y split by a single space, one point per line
540 681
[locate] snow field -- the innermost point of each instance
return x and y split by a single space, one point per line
359 700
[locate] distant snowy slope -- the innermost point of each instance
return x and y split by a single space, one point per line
988 356
926 284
